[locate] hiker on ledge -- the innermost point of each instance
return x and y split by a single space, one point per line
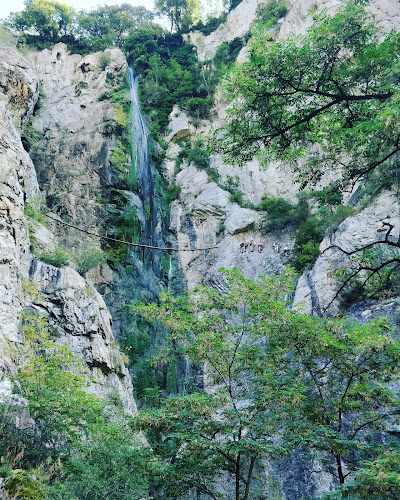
260 247
242 249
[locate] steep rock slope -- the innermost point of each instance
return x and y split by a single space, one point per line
204 216
72 305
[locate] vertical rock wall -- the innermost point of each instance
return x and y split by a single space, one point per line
72 152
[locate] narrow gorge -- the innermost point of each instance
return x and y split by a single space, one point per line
122 193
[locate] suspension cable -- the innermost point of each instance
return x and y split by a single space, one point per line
169 249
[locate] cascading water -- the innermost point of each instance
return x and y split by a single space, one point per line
144 174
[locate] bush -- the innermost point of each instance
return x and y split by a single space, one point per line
211 25
58 257
88 260
271 12
33 209
171 194
24 485
197 154
199 107
104 60
282 213
236 197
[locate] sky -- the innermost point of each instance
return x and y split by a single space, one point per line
8 6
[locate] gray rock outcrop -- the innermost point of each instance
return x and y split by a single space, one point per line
74 308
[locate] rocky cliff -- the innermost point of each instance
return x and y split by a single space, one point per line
74 150
204 216
62 154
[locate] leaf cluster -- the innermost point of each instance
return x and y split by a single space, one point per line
276 381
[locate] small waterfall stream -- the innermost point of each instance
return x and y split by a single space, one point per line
145 173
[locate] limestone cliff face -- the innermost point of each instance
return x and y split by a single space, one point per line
74 308
204 216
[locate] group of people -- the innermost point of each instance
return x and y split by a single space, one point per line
250 245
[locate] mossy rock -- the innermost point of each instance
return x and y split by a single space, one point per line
24 486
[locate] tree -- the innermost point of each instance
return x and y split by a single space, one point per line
111 25
48 20
331 96
181 13
336 87
78 446
276 381
201 434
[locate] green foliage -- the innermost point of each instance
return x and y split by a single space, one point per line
59 257
270 12
236 197
111 464
121 118
284 100
88 259
76 451
199 107
34 209
330 195
118 157
23 485
162 60
211 24
43 22
227 53
312 230
104 60
47 380
378 279
181 13
321 384
197 154
377 479
281 213
172 193
195 450
30 136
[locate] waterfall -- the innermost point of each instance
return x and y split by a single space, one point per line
143 171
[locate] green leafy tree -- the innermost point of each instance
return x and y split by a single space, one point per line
337 87
181 13
48 20
111 25
232 428
277 381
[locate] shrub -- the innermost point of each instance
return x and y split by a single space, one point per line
197 154
33 209
199 107
58 257
24 485
271 12
282 213
88 260
104 60
236 197
172 193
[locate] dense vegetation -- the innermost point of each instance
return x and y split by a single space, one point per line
330 97
282 381
315 384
